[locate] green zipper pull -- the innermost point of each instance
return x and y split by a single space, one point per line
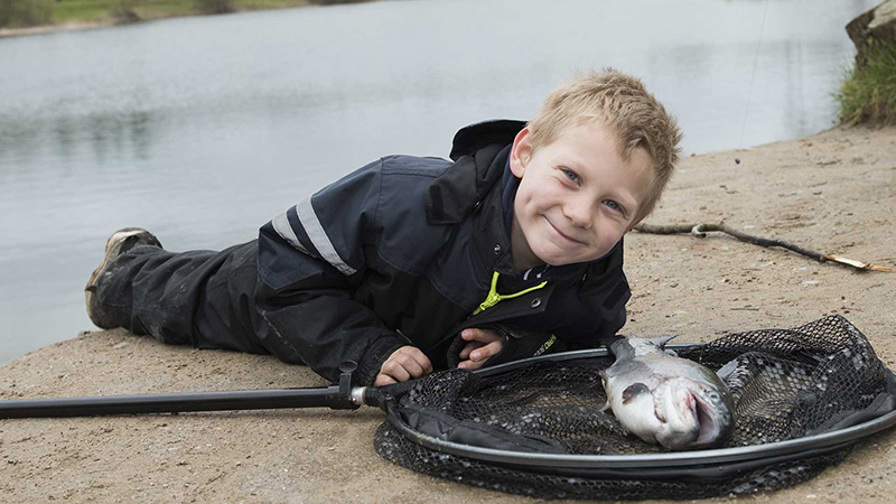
493 297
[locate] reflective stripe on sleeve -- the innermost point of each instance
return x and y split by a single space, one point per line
282 227
319 237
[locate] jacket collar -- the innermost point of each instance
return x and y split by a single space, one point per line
472 186
476 136
479 153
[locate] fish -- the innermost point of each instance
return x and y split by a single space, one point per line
665 399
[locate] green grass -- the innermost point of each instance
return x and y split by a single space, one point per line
81 10
24 13
868 93
268 4
16 13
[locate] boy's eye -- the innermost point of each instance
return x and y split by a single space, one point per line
613 205
571 175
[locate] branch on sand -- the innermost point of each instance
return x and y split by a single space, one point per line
700 230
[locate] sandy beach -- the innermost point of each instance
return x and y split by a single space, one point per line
834 192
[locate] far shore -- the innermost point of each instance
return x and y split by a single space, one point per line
107 21
53 28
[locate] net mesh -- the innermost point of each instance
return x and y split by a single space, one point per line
785 383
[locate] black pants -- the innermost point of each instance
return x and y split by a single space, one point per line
199 298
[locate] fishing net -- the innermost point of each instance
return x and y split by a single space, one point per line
536 428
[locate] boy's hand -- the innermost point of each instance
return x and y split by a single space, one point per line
404 364
483 344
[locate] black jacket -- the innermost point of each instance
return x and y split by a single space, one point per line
403 250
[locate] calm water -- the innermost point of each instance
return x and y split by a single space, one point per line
202 129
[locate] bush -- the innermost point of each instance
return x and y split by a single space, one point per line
123 11
213 6
868 92
23 13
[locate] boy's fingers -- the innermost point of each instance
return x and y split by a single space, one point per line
394 369
478 338
420 358
405 363
481 335
469 347
483 343
472 334
471 365
383 379
487 351
467 364
410 365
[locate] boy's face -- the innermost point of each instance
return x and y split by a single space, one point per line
577 197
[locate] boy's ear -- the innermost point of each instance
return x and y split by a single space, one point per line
521 152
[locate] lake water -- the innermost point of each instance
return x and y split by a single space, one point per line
203 129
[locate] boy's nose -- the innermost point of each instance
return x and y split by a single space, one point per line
579 213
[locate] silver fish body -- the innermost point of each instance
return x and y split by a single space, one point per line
664 399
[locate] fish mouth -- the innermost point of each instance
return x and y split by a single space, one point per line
708 427
713 418
693 417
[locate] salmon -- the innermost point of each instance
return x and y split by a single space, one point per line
666 400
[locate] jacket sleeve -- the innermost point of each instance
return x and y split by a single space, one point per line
310 260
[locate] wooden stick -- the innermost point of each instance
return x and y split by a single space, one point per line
700 230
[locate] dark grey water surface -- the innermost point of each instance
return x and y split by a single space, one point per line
202 129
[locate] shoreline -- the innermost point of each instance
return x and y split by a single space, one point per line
834 191
109 21
53 28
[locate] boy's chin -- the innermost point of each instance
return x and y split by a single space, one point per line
555 260
551 253
556 264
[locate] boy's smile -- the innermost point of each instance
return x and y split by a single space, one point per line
577 197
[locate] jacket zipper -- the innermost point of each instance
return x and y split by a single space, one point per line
494 298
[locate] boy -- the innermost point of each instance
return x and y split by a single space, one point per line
414 264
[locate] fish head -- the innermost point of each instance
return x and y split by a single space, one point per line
693 414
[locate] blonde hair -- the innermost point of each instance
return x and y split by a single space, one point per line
621 103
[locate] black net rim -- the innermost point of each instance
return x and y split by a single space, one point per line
758 454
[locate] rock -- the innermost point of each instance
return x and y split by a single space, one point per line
873 27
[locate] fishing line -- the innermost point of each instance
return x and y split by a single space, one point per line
753 76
